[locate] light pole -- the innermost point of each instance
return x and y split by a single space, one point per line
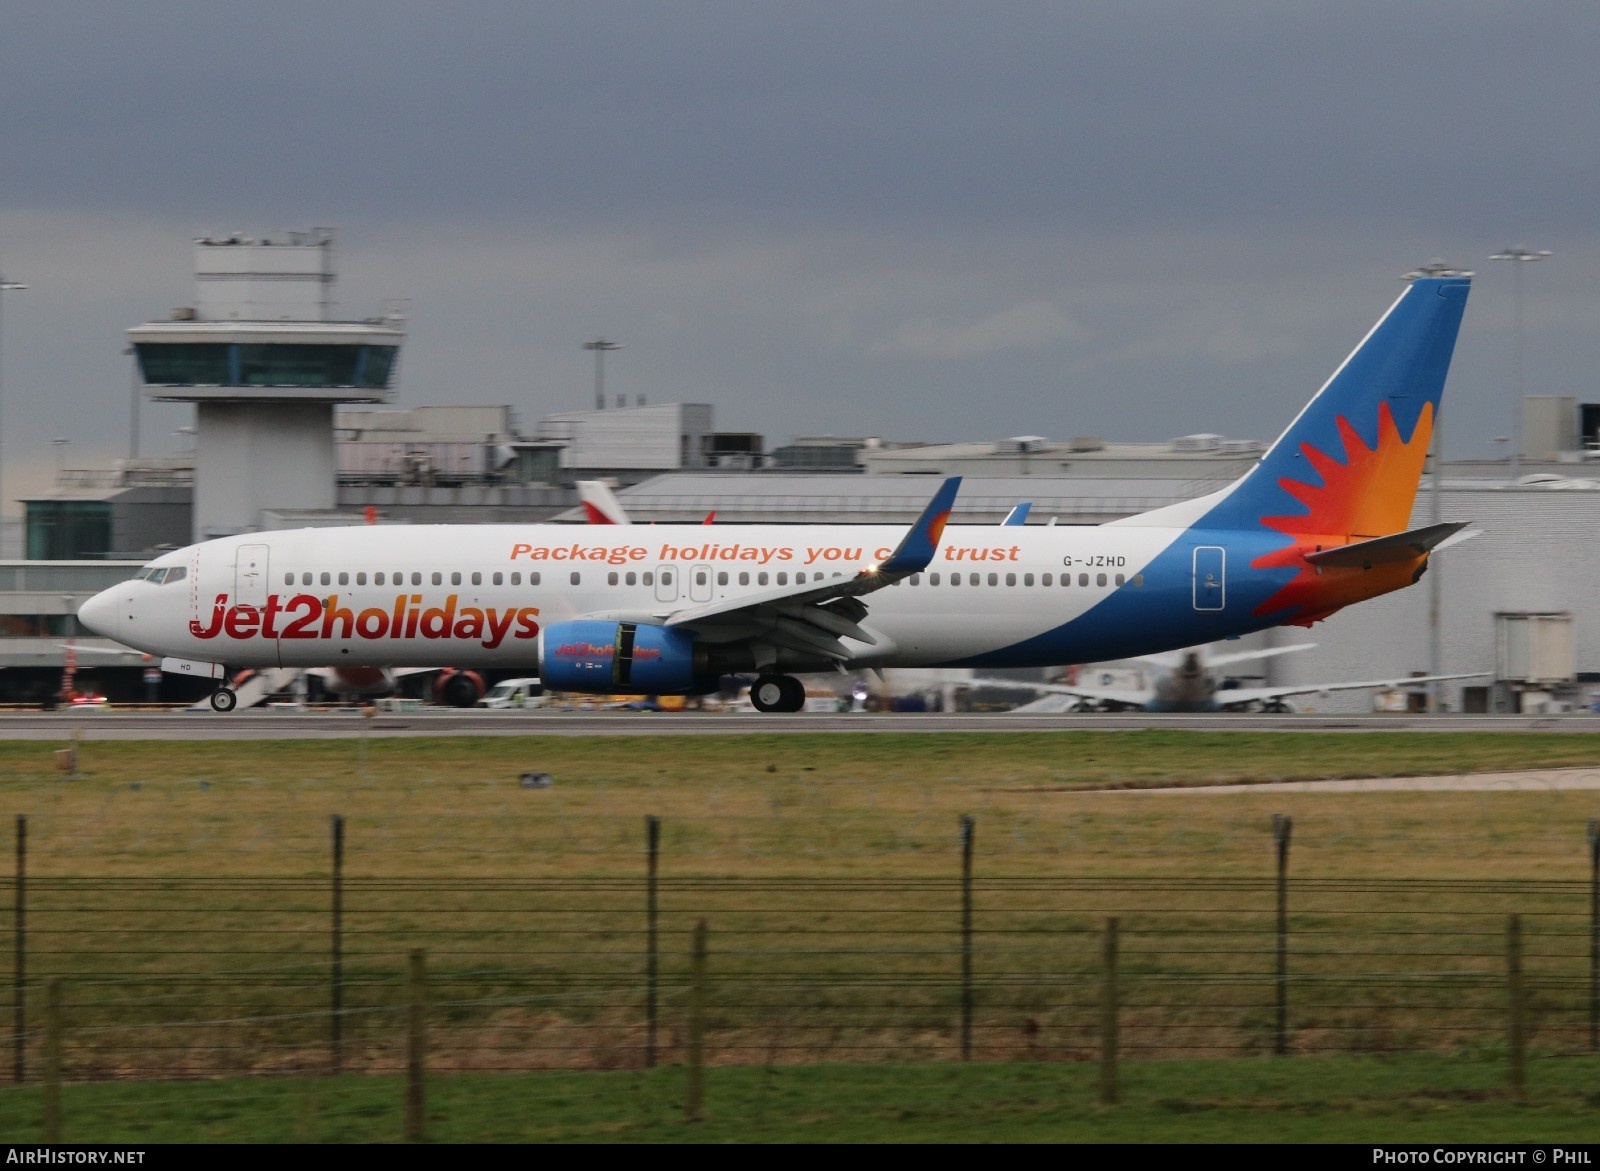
1435 268
600 346
5 287
1520 256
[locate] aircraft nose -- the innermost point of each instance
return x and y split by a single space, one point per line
101 612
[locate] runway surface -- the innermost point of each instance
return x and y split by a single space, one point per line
340 723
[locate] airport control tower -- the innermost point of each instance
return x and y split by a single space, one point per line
260 356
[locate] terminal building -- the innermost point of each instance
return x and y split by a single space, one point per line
296 424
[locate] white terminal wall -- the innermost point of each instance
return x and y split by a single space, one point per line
261 455
1536 554
662 438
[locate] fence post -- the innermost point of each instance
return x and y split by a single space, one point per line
19 966
1594 934
1282 826
694 1105
966 938
336 976
1518 1022
652 833
1108 1015
416 1046
52 1060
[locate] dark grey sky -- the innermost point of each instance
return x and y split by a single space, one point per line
920 220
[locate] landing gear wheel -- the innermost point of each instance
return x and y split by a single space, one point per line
223 699
794 693
777 693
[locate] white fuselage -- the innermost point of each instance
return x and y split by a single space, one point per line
467 595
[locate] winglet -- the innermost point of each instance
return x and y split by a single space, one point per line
919 545
1017 516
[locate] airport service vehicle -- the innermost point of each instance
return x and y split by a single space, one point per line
514 693
1317 524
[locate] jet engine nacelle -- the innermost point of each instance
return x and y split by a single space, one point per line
598 656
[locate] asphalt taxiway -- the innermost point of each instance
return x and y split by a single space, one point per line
340 723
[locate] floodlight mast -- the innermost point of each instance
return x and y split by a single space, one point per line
5 287
1433 269
600 346
1519 256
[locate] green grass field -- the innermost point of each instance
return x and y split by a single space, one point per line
1416 1099
181 891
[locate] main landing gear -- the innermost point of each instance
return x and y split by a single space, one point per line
224 699
777 693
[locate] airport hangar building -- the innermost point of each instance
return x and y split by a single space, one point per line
295 426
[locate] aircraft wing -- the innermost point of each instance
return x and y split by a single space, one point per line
1123 696
1240 696
1171 659
812 617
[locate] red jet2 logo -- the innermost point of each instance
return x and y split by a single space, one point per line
308 616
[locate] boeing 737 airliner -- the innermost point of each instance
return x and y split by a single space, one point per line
1316 525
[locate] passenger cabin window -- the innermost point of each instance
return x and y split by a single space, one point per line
327 578
1083 579
933 579
288 578
632 578
533 578
722 577
1138 580
744 578
611 578
1121 579
648 577
499 578
416 577
477 578
344 578
1099 579
361 578
576 578
974 578
994 579
305 579
761 578
1027 579
455 578
783 577
438 578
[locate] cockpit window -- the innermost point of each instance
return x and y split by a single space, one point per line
161 574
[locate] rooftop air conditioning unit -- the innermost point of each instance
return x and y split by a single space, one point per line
1202 442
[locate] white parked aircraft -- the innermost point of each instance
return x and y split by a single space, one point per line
1189 682
1315 526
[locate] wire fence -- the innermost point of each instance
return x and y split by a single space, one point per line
185 978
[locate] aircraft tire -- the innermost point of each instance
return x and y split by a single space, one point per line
794 693
777 693
224 699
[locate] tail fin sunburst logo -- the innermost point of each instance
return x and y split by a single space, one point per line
1369 494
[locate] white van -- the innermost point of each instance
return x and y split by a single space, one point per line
514 693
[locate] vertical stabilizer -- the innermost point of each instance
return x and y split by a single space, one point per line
1350 462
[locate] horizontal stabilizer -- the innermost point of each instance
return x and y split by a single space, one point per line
1395 547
